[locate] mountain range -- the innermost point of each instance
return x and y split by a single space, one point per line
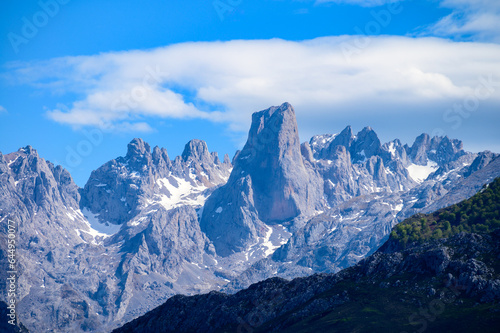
443 278
145 227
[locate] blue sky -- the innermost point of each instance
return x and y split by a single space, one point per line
80 79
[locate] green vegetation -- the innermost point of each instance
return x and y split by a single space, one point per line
479 214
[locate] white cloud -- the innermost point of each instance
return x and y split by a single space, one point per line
227 81
477 20
472 19
2 109
135 127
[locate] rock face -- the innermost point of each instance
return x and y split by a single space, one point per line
118 190
439 149
272 158
270 184
164 239
42 201
75 278
146 227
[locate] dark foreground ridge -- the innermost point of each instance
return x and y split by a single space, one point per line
425 283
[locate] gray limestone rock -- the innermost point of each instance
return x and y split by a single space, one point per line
269 184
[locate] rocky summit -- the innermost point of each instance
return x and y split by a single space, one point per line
270 184
146 227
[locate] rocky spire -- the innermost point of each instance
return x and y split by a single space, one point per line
137 148
272 157
197 150
269 183
438 149
345 138
366 145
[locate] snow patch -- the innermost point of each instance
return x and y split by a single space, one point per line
420 172
180 192
398 207
363 156
80 235
274 237
10 162
96 228
270 247
413 200
138 221
392 149
322 141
